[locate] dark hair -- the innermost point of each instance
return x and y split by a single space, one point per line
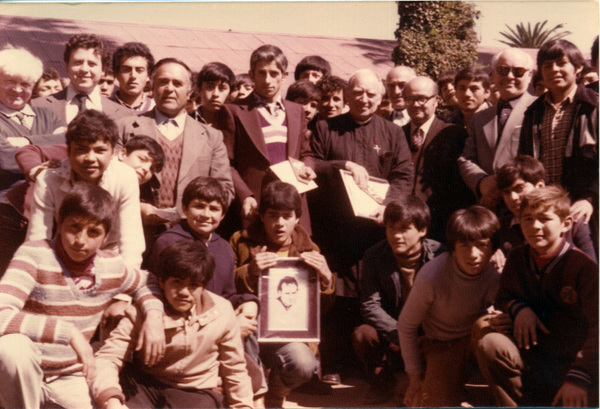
473 74
312 62
554 49
242 79
408 209
216 71
89 202
87 41
279 195
537 77
446 77
473 223
330 84
129 50
92 126
595 51
174 61
303 89
108 71
523 166
585 70
268 53
49 74
143 142
287 280
205 188
548 197
186 259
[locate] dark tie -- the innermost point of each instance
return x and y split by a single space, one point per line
417 139
81 102
504 113
21 117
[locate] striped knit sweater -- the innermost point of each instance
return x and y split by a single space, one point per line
38 299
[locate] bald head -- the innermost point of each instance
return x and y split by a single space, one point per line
363 94
395 81
506 65
421 94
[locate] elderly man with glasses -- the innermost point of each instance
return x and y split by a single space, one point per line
494 133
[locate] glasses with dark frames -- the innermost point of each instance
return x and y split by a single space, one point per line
518 72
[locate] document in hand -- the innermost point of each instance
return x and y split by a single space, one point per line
365 203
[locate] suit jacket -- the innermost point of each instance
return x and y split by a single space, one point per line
481 157
203 152
437 178
57 103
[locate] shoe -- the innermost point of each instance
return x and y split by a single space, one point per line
332 379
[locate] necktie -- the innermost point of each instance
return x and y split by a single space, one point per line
24 120
81 98
418 138
505 110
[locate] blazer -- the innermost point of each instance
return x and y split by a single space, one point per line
57 103
203 152
481 157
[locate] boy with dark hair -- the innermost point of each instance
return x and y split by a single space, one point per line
388 271
472 87
308 95
333 100
550 290
215 81
450 293
133 64
106 85
561 128
86 58
539 87
91 138
312 68
447 90
276 233
242 87
48 84
52 299
203 344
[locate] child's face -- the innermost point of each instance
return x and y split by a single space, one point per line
245 90
559 74
214 94
449 94
89 160
310 107
141 161
106 85
48 87
404 238
470 95
133 75
385 109
84 69
311 75
472 256
80 238
513 195
279 225
332 104
181 294
268 79
543 229
204 217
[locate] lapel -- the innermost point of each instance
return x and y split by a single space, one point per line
516 117
490 127
293 127
248 117
194 136
434 129
58 102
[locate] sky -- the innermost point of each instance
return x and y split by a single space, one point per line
364 19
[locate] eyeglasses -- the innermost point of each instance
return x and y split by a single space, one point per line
422 100
518 72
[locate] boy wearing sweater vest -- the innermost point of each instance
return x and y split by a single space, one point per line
52 298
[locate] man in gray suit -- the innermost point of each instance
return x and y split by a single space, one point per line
85 56
494 133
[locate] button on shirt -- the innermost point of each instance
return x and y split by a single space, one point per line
93 101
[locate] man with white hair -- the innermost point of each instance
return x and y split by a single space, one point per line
494 135
396 79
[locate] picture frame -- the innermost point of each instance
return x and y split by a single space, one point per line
290 302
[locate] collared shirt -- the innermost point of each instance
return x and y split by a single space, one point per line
93 101
27 114
271 108
146 105
171 128
425 127
400 118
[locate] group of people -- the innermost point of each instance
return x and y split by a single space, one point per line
140 210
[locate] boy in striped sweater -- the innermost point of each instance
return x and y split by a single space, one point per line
52 298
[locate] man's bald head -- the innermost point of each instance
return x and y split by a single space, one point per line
363 94
509 62
396 79
421 94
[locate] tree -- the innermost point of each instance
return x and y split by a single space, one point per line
435 36
526 38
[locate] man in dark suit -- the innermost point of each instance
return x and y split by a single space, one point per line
263 129
85 56
435 146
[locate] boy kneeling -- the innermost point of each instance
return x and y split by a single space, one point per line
203 343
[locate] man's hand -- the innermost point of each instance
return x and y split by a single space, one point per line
246 315
525 328
249 206
262 260
501 322
359 173
498 259
307 173
490 194
378 215
317 261
413 392
582 209
152 338
571 396
149 218
85 353
113 314
34 173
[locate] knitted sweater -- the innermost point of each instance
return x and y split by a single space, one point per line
38 298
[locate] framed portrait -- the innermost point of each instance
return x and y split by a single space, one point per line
290 302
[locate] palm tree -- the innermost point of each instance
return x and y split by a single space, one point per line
527 38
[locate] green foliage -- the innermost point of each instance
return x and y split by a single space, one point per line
527 38
436 36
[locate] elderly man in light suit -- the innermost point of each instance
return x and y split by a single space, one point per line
494 133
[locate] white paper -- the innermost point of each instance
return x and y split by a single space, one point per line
364 205
285 173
